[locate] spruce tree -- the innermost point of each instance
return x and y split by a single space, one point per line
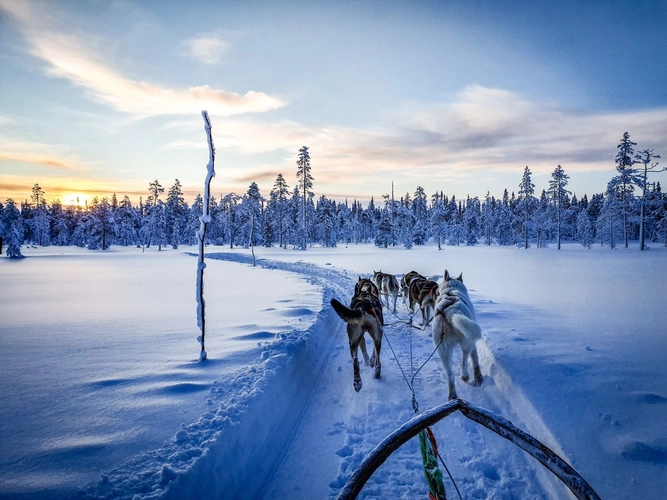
305 179
278 206
526 204
627 176
558 194
15 240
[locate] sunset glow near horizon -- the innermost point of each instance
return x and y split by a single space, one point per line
99 98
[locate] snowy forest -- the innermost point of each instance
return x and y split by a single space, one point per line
633 207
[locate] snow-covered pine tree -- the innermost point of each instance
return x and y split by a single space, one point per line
654 205
58 234
645 157
251 217
325 217
152 216
471 221
627 176
79 235
60 230
292 230
305 179
127 222
15 240
345 225
438 222
10 214
231 220
557 195
383 237
488 218
40 220
526 205
660 214
454 214
371 221
609 224
278 207
419 209
504 222
175 211
404 223
585 229
196 209
101 225
543 219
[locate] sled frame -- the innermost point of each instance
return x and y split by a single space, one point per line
504 428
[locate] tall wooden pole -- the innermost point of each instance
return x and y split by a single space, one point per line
201 235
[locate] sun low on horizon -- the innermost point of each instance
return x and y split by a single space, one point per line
76 199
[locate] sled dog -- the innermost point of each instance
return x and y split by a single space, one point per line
454 324
388 286
405 284
364 285
423 291
363 316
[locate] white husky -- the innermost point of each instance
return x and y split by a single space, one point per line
454 324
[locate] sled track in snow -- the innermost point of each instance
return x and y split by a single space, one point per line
323 421
480 462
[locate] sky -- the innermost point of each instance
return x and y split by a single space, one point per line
100 97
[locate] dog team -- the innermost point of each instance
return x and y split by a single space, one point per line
445 306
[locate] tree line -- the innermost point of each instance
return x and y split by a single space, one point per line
631 208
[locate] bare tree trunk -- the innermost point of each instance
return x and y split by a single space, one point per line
201 235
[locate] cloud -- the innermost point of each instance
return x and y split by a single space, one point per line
247 136
207 49
478 132
73 59
46 155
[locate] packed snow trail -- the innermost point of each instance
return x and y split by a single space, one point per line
289 425
337 426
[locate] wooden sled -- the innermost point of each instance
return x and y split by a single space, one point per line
577 485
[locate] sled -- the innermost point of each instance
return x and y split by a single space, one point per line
504 428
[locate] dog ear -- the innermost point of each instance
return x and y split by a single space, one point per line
460 278
447 276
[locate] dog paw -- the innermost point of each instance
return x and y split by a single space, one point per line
377 373
372 361
465 377
453 395
479 378
357 385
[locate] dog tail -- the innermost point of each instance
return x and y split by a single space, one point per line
344 312
470 329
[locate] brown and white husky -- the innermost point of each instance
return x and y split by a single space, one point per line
423 292
363 316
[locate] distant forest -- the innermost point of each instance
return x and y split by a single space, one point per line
631 208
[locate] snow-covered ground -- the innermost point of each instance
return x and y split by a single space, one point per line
103 397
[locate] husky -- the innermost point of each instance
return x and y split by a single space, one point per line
388 287
405 284
363 316
424 292
364 285
455 324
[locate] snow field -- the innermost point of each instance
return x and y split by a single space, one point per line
273 414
